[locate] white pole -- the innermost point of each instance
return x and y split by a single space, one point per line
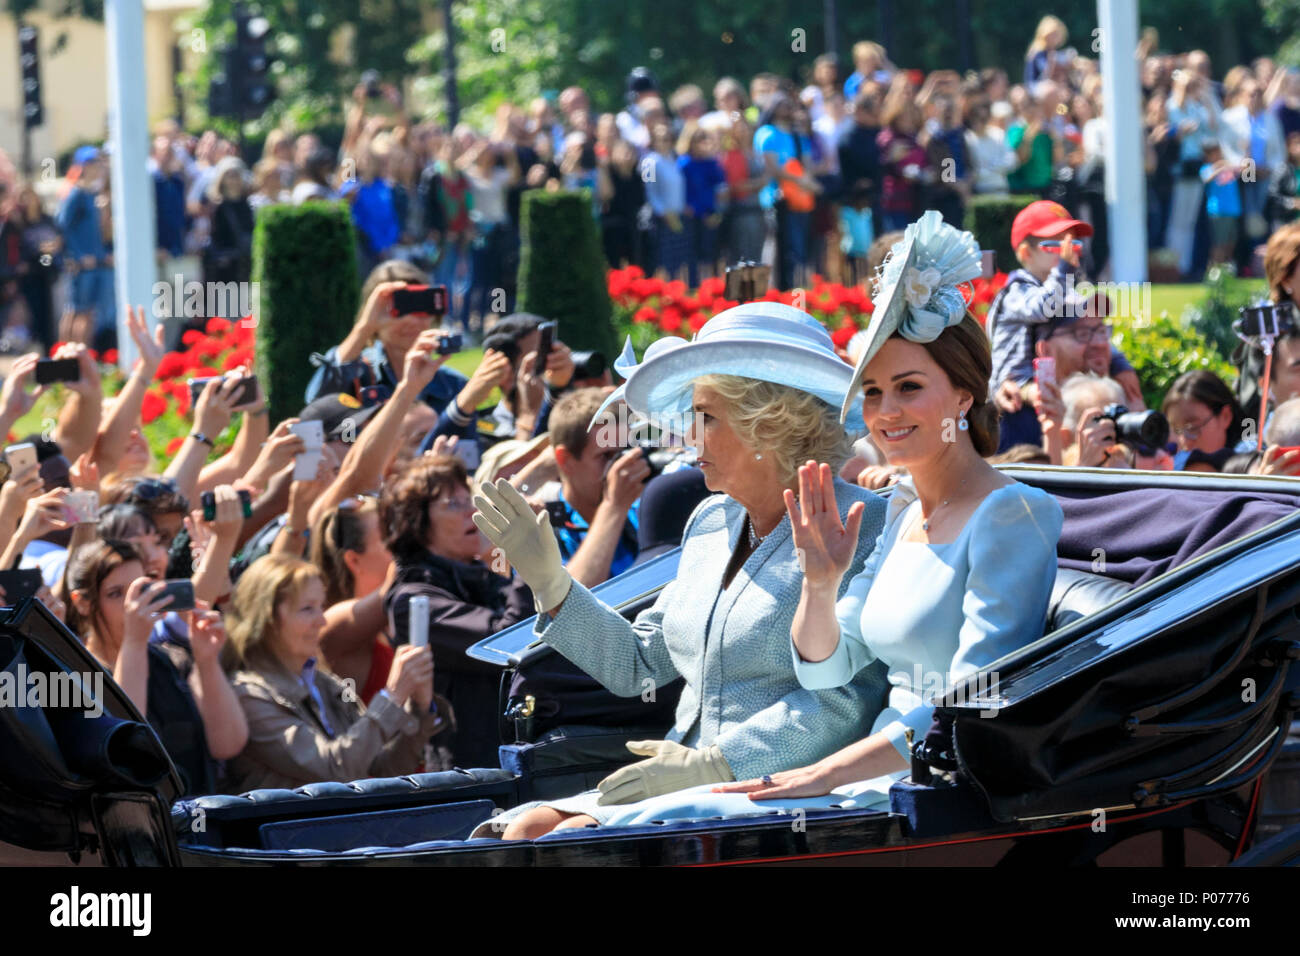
133 206
1125 178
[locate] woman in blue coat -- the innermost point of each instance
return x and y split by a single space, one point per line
756 393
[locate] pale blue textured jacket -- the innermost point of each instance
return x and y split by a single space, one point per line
732 647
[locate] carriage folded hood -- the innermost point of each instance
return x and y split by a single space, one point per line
69 736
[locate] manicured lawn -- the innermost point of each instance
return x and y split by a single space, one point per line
1174 298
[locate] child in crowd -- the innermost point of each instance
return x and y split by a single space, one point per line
706 183
1222 202
1048 244
856 233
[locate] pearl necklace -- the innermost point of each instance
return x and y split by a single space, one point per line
925 522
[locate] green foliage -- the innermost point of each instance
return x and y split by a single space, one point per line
989 218
562 268
1212 318
312 80
1163 349
304 258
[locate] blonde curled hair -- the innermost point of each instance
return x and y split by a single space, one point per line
784 423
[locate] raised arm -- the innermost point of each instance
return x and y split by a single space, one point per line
626 658
211 416
79 418
15 400
825 548
224 723
253 430
125 412
363 467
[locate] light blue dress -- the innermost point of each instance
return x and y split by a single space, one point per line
732 646
934 613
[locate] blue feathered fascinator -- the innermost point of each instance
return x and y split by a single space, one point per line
920 290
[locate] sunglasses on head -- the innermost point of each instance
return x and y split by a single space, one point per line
151 488
349 504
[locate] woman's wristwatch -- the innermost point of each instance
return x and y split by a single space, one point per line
199 436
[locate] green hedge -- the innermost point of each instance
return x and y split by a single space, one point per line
989 219
1165 348
562 268
304 258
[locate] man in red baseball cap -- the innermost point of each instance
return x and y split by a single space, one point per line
1048 242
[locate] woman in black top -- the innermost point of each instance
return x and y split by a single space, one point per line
192 708
42 249
426 517
229 254
1162 161
623 195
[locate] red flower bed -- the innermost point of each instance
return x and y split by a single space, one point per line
647 307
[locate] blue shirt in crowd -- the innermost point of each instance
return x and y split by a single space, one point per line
1221 199
703 177
78 220
770 139
573 531
665 186
375 215
169 205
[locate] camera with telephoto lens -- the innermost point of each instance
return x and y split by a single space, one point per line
1145 431
588 364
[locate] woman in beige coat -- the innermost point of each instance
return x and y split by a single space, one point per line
304 724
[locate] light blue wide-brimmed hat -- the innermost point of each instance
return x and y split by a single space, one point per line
920 294
768 341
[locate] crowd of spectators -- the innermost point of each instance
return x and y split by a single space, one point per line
802 176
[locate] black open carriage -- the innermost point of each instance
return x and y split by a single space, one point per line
1152 724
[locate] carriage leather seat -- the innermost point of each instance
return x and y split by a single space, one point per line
1076 594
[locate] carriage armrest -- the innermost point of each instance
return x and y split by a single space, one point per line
569 760
1077 594
235 821
944 809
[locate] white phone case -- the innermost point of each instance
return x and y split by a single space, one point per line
312 434
305 466
20 457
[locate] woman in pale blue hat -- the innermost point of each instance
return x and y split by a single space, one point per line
756 392
962 571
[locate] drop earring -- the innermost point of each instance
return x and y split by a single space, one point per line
962 424
758 456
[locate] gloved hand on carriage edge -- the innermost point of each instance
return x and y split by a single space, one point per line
671 767
526 539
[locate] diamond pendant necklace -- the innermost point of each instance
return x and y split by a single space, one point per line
925 522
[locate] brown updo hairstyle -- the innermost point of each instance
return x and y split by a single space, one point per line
404 505
964 354
1280 257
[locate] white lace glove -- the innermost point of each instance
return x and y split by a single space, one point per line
671 767
526 539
